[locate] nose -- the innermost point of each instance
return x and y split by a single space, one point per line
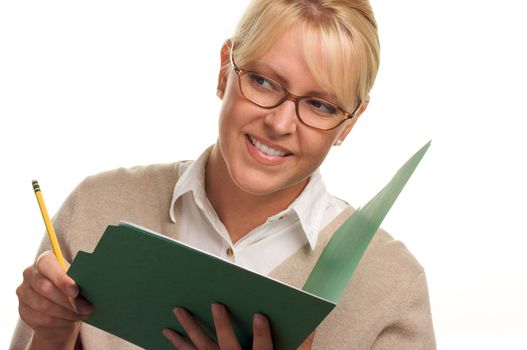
282 119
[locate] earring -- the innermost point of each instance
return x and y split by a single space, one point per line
338 143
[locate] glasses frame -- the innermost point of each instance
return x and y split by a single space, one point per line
288 96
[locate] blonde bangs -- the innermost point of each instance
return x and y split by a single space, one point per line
334 62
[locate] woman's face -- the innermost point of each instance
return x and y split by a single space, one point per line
271 150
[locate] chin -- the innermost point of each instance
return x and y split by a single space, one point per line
258 184
257 187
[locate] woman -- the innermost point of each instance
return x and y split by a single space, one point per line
294 79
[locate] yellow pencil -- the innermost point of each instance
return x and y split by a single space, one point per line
51 232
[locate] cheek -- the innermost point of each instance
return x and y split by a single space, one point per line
316 143
237 116
314 150
231 101
227 117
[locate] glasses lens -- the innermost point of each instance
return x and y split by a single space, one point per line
319 113
261 90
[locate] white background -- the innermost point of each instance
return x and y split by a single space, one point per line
90 86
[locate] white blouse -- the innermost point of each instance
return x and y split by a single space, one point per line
267 245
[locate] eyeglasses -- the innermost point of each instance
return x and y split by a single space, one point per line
267 93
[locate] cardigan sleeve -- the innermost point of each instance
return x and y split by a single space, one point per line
411 327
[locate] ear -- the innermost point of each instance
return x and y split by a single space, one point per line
344 133
224 67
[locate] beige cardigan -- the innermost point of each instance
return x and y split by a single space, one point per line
386 305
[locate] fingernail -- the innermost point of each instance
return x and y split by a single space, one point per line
173 336
72 291
217 309
260 321
179 312
85 310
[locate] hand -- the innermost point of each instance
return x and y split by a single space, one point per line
226 337
198 339
308 343
44 304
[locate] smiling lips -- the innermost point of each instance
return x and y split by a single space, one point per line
267 150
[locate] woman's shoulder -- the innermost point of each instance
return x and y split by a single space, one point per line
386 268
139 194
393 252
385 254
133 175
149 184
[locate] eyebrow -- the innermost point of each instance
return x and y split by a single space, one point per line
272 73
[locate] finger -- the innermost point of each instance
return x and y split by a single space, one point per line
84 308
48 265
198 337
308 343
40 303
177 340
43 286
37 319
226 337
261 333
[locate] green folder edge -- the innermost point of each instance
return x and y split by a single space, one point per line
336 264
328 280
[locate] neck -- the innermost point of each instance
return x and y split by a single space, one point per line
240 211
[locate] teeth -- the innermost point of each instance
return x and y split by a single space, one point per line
266 149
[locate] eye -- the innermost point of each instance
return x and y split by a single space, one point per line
262 82
322 107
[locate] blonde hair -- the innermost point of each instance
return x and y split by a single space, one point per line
343 31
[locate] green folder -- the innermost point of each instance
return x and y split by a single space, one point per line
135 277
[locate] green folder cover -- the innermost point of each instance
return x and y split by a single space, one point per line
135 277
